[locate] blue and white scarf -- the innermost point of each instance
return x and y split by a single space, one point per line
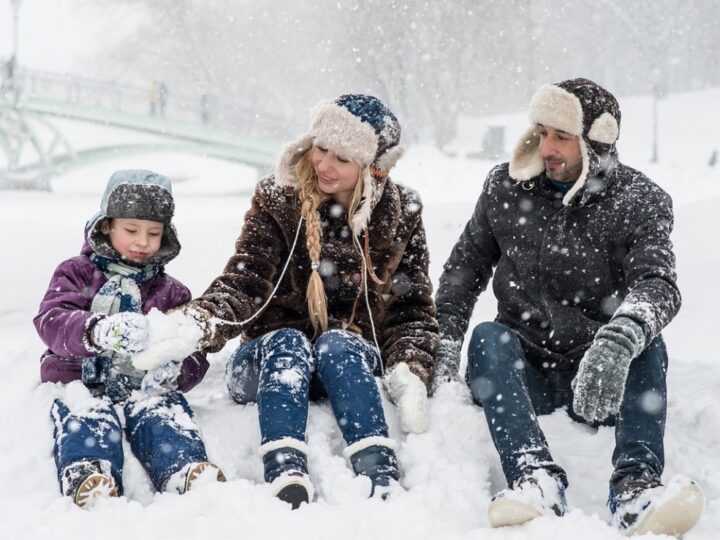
120 293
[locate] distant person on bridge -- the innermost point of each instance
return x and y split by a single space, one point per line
92 321
584 275
329 287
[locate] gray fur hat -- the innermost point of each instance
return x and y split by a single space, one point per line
360 128
136 194
578 107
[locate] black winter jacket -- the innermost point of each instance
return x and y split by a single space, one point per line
561 272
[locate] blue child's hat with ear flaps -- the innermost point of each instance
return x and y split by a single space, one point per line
360 128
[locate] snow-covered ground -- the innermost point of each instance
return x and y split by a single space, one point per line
451 471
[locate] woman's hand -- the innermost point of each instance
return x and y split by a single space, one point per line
409 393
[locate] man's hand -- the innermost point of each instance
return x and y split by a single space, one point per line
161 380
600 381
409 393
447 363
125 333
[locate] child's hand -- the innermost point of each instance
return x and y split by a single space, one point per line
125 333
408 392
161 380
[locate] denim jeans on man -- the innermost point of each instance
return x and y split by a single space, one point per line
512 392
282 370
161 432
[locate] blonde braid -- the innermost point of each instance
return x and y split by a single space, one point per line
310 198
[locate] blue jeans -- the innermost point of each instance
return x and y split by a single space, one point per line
282 369
161 432
512 392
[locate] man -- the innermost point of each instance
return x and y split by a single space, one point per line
585 281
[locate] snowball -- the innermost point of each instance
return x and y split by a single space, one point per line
173 336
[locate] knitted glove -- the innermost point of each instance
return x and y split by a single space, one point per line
600 381
161 380
125 333
447 363
409 393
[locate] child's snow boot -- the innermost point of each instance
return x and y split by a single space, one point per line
535 494
285 462
86 481
192 475
375 458
641 504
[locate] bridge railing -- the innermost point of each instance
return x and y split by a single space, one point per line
153 99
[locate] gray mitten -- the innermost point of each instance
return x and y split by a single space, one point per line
600 381
125 333
447 364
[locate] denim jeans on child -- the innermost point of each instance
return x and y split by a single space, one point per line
161 431
512 392
278 369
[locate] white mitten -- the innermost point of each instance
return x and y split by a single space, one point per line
409 393
125 333
172 336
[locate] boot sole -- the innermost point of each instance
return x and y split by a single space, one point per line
93 487
294 494
674 517
506 513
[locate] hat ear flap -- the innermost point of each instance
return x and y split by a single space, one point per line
285 170
388 160
604 129
526 161
361 218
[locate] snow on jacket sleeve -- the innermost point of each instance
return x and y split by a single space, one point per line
64 316
653 297
410 331
466 274
247 280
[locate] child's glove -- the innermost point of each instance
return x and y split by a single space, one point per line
600 381
161 380
409 393
125 333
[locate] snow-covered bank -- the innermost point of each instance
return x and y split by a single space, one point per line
450 471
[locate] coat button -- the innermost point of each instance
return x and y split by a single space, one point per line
557 203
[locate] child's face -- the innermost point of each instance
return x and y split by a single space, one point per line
136 240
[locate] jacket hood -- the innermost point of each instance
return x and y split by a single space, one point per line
135 194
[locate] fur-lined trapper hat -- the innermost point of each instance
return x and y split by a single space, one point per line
136 194
360 128
578 107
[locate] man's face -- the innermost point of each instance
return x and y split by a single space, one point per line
561 154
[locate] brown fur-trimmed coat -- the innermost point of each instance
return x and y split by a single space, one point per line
403 310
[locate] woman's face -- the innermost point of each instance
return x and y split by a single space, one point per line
337 176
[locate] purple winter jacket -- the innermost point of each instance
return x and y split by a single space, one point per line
64 318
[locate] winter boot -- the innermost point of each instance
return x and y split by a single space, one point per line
374 457
535 494
86 481
192 475
641 504
285 462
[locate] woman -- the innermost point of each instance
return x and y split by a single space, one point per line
329 282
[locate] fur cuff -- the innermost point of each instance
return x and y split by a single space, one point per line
367 442
285 442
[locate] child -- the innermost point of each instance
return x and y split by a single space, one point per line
91 320
329 283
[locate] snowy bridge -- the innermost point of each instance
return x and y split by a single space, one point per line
33 146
